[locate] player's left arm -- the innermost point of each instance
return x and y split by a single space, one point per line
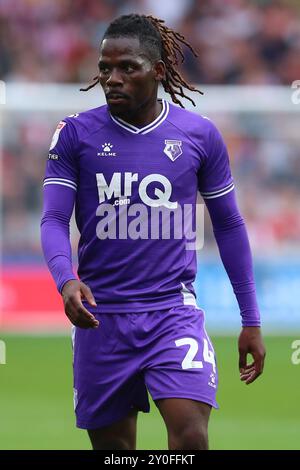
217 189
232 240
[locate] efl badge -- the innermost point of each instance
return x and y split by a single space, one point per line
173 149
55 137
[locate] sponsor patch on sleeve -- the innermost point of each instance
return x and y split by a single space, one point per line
55 137
53 156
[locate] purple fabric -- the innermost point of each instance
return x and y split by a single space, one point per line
231 236
102 164
55 232
115 364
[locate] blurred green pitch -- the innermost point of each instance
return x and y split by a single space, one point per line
36 404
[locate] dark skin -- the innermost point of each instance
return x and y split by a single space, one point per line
125 70
130 79
251 342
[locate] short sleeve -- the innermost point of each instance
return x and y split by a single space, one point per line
62 168
214 175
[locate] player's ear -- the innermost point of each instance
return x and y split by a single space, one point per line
159 70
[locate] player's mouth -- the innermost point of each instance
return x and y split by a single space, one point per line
116 98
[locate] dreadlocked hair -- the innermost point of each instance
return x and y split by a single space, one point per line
161 43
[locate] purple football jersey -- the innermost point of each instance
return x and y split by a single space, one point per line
122 178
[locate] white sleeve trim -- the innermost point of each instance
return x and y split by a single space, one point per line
61 182
60 179
220 192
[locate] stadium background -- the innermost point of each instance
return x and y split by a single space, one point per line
248 60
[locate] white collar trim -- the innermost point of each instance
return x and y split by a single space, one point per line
150 127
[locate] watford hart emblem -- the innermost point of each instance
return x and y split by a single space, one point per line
173 149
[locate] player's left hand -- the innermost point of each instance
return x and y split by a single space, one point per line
251 342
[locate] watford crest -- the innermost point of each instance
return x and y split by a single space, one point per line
173 149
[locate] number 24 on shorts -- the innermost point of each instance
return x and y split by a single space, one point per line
188 362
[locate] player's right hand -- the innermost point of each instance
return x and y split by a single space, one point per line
73 292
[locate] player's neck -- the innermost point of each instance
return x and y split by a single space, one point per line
144 116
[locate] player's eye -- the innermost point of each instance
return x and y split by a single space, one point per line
103 69
128 68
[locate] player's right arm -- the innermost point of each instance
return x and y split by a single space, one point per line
60 185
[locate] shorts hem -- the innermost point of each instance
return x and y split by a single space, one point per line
202 399
97 424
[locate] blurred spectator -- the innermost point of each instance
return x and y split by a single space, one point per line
238 41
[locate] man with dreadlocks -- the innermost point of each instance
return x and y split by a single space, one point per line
128 167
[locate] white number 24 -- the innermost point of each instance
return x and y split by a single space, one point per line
188 362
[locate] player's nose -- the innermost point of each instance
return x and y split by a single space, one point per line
114 78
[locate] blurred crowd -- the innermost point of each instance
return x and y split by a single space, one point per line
265 159
238 42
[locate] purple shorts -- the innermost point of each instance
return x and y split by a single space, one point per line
166 352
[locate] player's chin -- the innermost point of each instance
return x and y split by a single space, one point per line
117 105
